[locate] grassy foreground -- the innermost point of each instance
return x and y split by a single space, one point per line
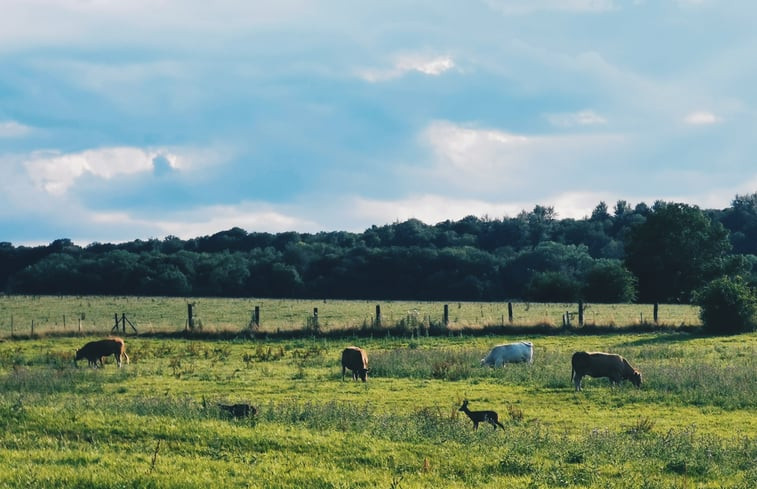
154 423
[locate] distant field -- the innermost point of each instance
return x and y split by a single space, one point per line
155 422
95 314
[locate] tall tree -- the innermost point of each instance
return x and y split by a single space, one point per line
675 251
741 220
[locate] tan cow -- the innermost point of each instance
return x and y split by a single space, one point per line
356 360
94 351
597 364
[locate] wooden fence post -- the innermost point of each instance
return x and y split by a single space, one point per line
580 313
654 311
190 316
378 316
510 312
257 316
446 314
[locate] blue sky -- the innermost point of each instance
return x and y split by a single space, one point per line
148 118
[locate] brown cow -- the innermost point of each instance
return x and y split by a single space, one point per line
597 364
94 351
356 360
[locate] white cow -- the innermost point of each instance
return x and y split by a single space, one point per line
520 352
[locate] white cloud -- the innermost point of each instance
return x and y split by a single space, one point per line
26 23
428 208
55 172
489 161
701 118
434 208
202 221
686 3
432 66
13 129
521 7
582 118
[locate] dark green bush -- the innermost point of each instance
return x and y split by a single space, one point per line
728 305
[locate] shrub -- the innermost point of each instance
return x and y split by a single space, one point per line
553 286
609 281
728 305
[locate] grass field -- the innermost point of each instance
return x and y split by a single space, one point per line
154 423
95 315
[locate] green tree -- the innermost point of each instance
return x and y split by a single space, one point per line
741 220
608 281
675 251
728 305
552 287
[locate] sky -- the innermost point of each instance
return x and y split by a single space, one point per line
153 118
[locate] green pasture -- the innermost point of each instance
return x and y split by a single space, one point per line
155 423
95 315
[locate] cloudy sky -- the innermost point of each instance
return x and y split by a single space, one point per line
148 118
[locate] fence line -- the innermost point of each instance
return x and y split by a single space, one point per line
95 315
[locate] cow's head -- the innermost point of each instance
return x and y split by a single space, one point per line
78 357
635 378
363 374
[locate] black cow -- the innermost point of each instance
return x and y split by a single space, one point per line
356 360
94 351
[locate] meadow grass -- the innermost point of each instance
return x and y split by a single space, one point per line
155 422
95 314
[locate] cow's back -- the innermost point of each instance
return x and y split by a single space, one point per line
509 353
596 364
101 348
354 358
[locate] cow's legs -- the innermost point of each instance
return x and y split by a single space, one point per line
577 382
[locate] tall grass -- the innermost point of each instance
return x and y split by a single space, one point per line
155 423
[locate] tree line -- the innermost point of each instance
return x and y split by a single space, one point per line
659 253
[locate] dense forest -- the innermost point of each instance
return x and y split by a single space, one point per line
661 253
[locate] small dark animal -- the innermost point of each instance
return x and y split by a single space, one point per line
94 351
240 410
478 416
597 364
356 360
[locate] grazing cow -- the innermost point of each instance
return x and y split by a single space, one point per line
597 364
520 352
94 351
356 360
241 410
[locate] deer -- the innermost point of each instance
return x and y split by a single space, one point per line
478 416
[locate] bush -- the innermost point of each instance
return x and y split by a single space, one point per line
728 305
609 281
552 286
